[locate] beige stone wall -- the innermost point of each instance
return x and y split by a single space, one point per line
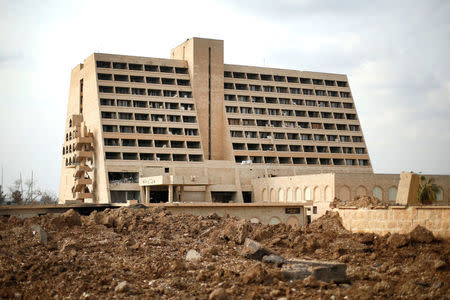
352 185
398 219
317 188
255 213
349 186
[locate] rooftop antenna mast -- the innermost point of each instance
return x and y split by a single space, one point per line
31 186
21 187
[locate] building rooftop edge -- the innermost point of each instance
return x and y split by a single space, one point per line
225 64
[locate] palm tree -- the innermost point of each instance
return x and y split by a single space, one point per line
427 190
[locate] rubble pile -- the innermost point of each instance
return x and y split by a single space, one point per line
360 202
150 253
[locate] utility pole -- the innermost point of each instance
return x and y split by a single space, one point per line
21 187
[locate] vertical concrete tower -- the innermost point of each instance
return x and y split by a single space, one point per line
206 67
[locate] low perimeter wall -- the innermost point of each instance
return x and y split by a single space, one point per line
395 219
265 213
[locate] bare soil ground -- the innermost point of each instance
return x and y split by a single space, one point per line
140 253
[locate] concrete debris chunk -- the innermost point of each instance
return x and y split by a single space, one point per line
70 218
273 259
254 250
122 287
40 234
219 294
236 231
319 270
397 240
193 255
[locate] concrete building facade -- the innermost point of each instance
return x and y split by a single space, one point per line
192 128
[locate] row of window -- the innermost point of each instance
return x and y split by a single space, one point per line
292 125
141 67
150 130
154 156
145 104
283 78
151 143
285 90
288 112
296 136
288 101
148 117
300 160
142 79
144 92
298 148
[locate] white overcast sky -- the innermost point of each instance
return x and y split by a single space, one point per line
395 53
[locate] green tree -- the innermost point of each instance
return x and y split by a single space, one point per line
427 190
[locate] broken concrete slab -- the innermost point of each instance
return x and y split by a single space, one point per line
326 271
254 250
273 259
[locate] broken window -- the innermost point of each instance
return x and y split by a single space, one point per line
119 65
103 64
135 67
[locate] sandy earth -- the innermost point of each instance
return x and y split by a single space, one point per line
141 253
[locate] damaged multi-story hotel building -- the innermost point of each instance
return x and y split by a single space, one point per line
194 129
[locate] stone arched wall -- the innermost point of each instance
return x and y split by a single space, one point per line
316 196
377 192
255 220
274 221
264 195
361 191
440 194
392 193
292 221
289 195
281 196
298 194
344 193
308 194
273 196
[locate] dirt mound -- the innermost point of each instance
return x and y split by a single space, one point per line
70 218
141 253
421 235
359 201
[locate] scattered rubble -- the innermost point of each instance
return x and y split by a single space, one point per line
319 270
360 202
254 250
146 253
